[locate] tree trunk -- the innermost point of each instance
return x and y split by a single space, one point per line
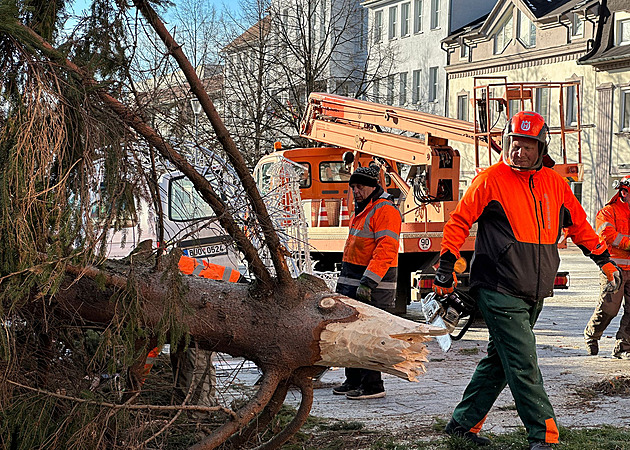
318 328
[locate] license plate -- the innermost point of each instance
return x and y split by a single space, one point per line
204 251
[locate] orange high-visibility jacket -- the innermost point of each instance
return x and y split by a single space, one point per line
613 225
370 256
520 216
191 266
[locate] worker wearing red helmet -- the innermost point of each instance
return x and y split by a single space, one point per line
520 208
613 225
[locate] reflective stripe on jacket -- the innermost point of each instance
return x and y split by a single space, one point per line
520 217
191 266
613 225
370 256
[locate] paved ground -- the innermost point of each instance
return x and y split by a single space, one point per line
562 357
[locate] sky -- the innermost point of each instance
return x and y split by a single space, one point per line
79 5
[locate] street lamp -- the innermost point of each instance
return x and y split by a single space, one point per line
196 108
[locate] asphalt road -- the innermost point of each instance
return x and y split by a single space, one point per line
562 356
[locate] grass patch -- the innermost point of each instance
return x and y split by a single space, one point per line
389 444
439 424
600 438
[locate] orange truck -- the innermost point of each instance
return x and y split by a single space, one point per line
418 167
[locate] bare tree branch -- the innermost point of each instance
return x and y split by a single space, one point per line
276 249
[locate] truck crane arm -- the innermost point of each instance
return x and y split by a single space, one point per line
357 124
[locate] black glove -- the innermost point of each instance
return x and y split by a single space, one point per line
445 279
364 293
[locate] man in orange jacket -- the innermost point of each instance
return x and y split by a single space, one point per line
613 225
369 267
520 208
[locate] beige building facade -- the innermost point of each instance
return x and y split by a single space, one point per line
540 41
610 59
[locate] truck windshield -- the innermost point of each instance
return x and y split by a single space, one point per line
185 203
333 171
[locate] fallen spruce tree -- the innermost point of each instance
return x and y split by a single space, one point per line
55 288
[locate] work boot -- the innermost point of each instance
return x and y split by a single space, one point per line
343 389
539 446
365 394
622 355
592 348
455 429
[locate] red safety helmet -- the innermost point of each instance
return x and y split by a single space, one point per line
531 125
622 184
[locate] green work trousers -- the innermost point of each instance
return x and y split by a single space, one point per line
511 360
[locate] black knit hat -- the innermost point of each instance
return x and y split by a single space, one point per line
367 176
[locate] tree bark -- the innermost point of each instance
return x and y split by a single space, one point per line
285 339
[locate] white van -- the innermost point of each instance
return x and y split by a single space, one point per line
189 222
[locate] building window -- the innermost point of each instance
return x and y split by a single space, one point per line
433 83
378 27
435 14
625 110
623 32
577 25
404 19
362 28
515 106
390 90
417 15
393 18
526 31
322 21
415 88
402 88
576 187
464 51
376 90
503 36
462 107
541 105
571 106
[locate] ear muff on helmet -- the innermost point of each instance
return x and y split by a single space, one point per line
531 125
623 183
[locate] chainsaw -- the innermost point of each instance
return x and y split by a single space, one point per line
449 311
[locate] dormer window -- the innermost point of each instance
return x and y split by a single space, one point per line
577 26
464 50
526 31
625 110
623 32
503 36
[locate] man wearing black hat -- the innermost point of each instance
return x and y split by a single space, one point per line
370 265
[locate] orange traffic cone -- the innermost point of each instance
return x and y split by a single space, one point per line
344 216
322 220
